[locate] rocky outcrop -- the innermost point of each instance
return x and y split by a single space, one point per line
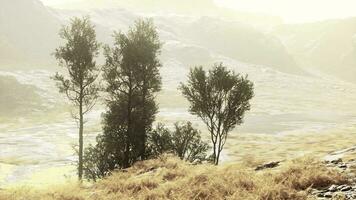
348 168
268 165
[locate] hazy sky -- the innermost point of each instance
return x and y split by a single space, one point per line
290 10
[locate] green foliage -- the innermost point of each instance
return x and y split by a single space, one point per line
77 56
220 98
185 142
132 75
97 159
108 154
159 140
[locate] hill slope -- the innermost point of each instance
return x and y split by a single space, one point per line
34 34
170 178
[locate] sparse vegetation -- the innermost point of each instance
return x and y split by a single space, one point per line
170 178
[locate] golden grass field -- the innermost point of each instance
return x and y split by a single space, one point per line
170 178
259 148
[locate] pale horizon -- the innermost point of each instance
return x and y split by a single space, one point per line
288 10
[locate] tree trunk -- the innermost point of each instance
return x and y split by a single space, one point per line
80 167
126 163
219 151
144 121
214 151
217 158
212 139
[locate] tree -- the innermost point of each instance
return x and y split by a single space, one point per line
185 142
159 140
77 57
220 98
132 78
132 73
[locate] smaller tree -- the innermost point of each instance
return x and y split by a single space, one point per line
220 98
96 163
185 142
159 141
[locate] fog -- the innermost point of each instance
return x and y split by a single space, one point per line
303 65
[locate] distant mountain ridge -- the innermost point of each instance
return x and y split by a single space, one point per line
31 30
328 46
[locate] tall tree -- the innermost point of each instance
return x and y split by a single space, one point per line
220 98
132 75
77 56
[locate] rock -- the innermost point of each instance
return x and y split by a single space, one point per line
328 195
336 161
340 187
342 166
346 188
320 194
333 188
268 165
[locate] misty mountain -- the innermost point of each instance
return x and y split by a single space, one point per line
32 35
328 46
9 53
28 31
180 7
239 41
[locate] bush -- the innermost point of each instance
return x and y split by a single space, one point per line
97 161
159 140
185 142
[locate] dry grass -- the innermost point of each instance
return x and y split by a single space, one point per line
170 178
304 173
266 147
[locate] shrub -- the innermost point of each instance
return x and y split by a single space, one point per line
185 142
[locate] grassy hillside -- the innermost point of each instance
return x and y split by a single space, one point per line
170 178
